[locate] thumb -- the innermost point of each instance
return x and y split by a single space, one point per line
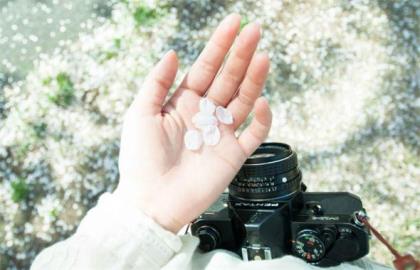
150 99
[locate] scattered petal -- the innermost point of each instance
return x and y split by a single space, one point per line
193 140
207 106
211 135
224 115
202 119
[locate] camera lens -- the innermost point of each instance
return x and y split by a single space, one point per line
271 172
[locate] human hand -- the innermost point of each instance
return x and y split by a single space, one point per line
158 175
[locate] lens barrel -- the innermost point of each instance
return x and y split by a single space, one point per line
271 172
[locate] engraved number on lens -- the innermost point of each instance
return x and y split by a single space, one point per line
309 246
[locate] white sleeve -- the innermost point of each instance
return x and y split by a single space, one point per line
112 236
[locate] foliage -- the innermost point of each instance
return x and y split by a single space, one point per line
20 190
64 94
343 89
143 15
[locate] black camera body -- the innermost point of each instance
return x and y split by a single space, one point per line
267 214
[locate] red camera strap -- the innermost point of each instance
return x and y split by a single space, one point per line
401 262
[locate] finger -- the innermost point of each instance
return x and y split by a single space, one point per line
234 70
258 130
156 85
250 90
211 58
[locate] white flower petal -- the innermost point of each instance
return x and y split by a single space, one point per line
211 135
224 115
202 119
193 140
207 106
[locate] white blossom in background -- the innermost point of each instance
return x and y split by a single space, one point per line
343 88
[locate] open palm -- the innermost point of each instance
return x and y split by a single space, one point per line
168 182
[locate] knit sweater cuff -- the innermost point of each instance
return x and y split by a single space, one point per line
129 234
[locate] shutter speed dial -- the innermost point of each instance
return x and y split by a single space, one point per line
309 246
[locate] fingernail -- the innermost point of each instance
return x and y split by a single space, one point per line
165 56
230 19
264 55
254 25
171 51
258 26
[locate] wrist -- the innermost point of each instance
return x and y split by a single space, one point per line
152 210
165 221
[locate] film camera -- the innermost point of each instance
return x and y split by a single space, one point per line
267 214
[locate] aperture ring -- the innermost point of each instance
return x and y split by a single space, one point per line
276 179
266 192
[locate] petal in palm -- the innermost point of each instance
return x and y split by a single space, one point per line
159 175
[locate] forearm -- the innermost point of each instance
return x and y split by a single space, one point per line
112 236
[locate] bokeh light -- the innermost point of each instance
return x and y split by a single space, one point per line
343 85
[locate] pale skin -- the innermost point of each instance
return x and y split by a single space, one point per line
158 175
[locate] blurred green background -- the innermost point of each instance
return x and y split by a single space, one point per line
343 85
